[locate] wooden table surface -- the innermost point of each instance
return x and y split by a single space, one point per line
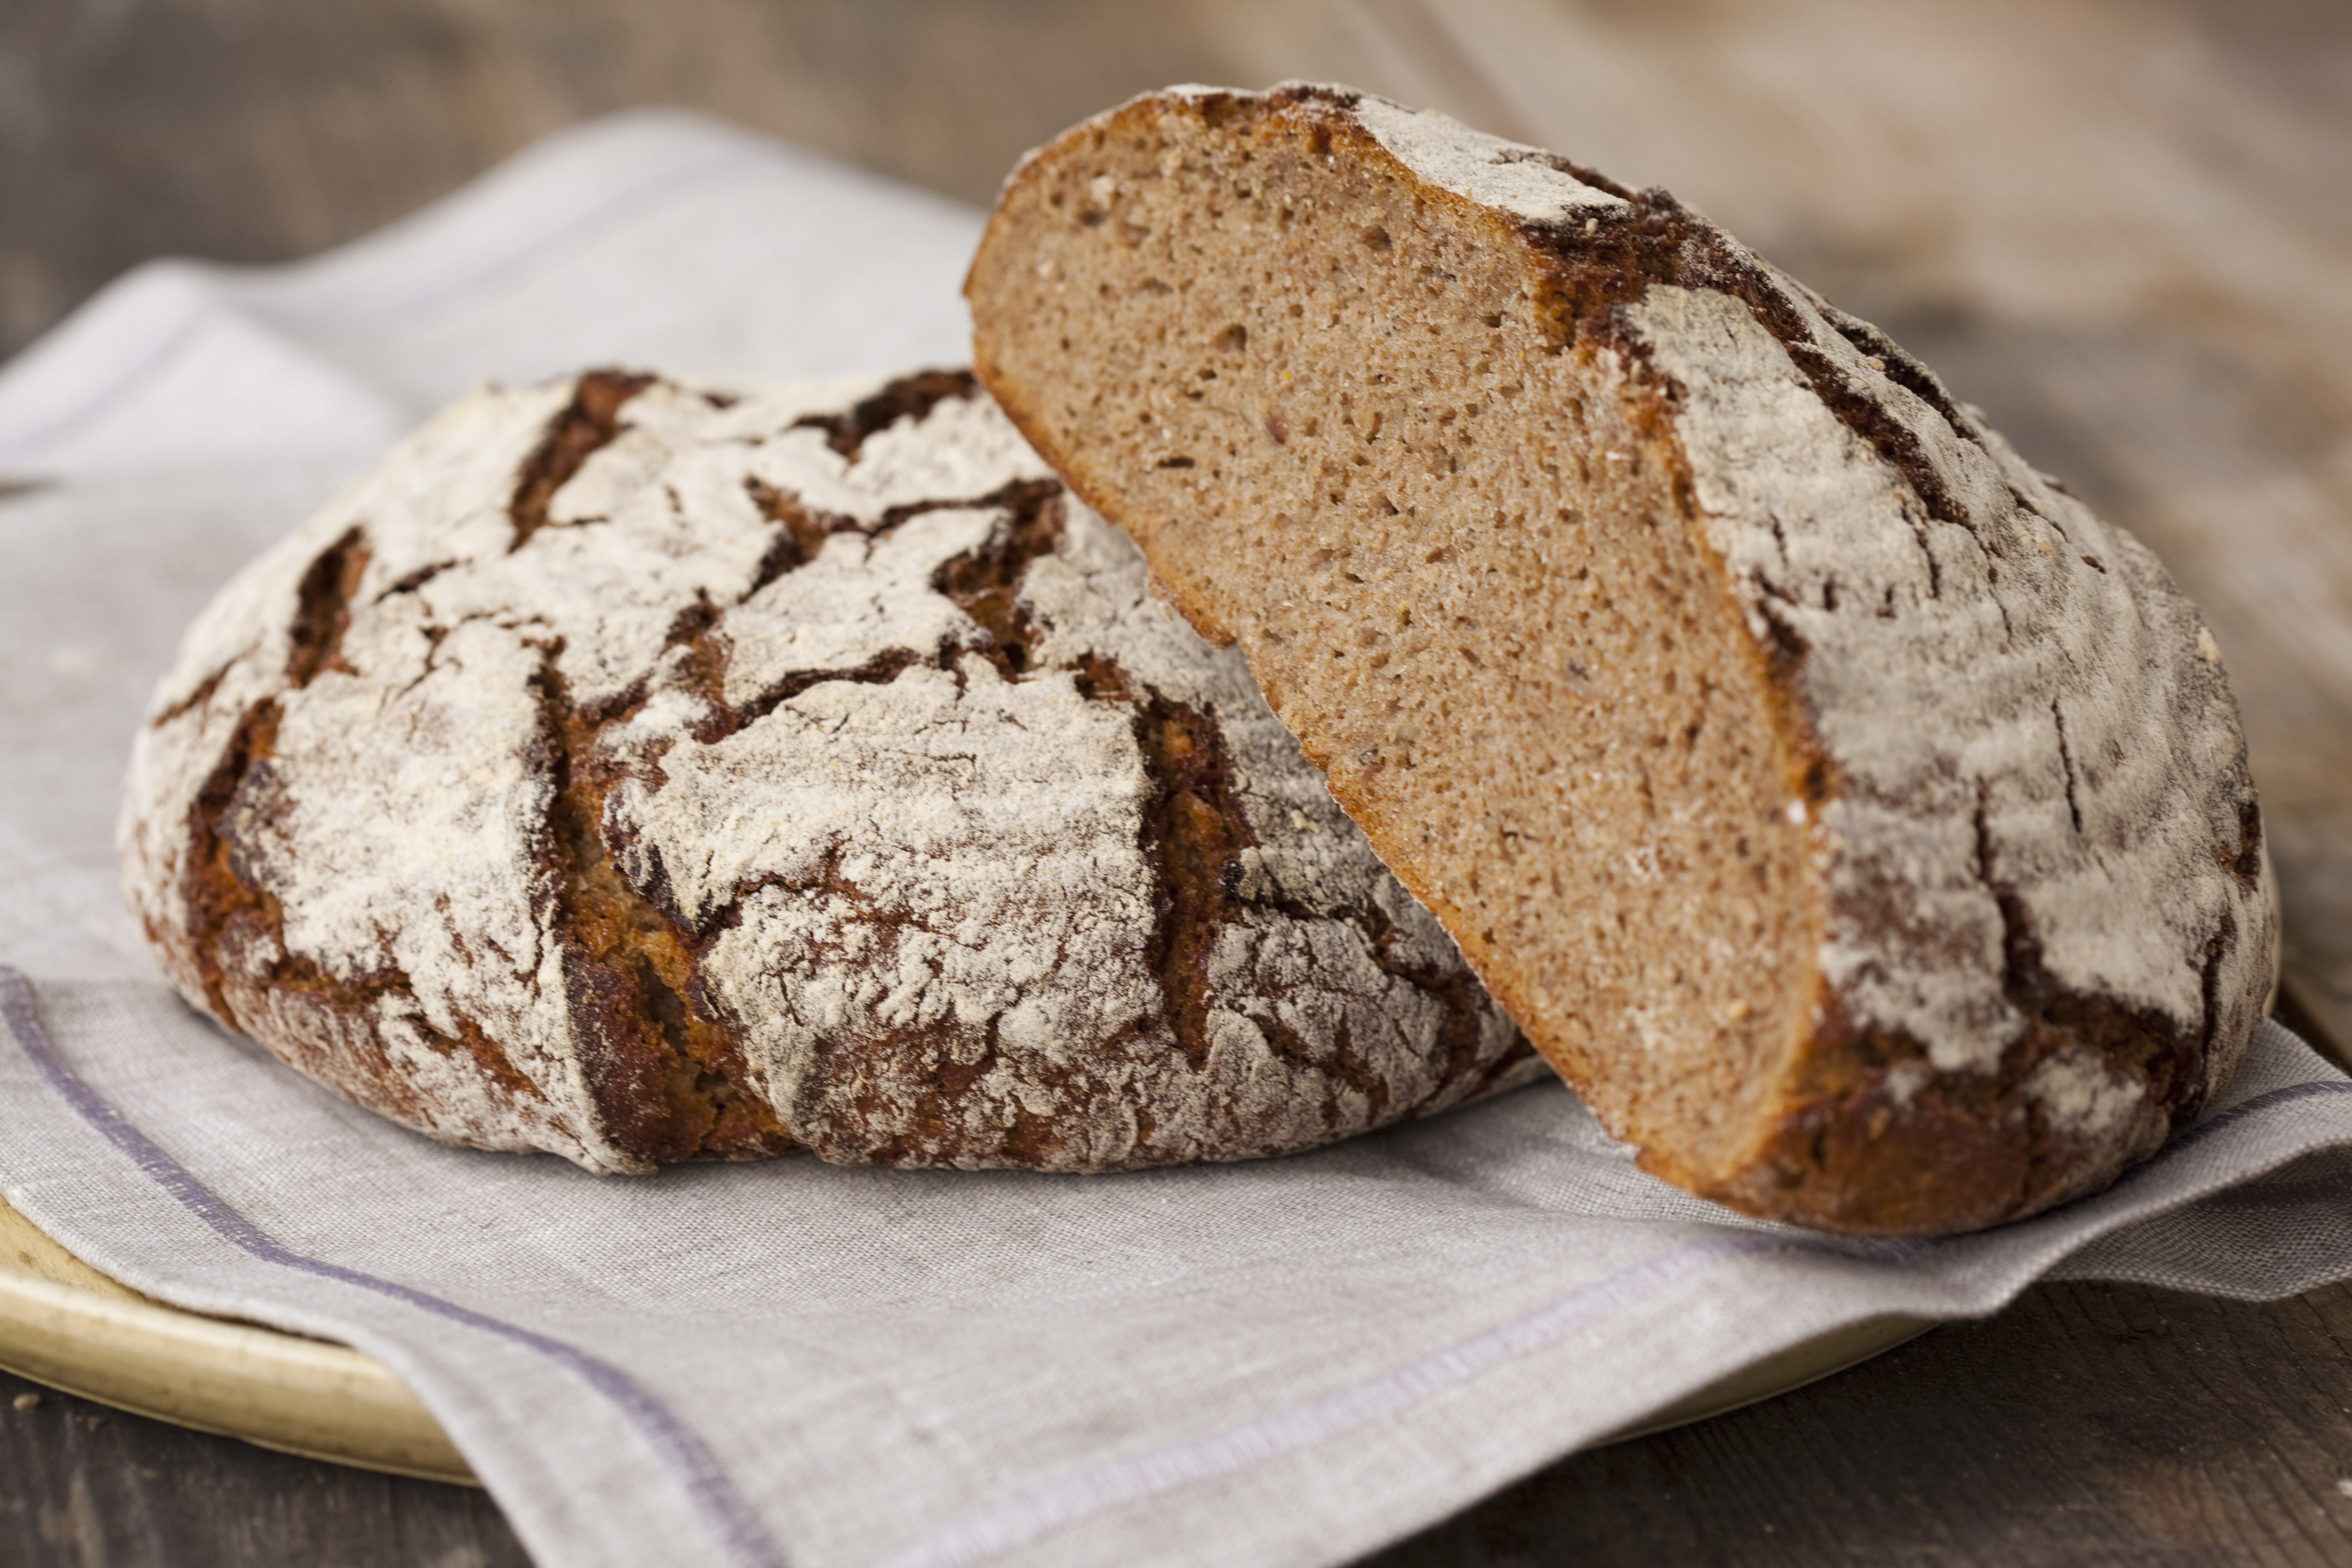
2124 226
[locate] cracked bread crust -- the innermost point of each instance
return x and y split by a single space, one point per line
1860 823
645 772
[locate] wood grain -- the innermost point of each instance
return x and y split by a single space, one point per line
82 1485
2125 228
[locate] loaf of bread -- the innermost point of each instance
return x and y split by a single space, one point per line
1858 823
646 772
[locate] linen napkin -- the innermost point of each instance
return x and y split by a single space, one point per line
1290 1361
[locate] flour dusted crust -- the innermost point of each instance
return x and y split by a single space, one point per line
1858 821
641 772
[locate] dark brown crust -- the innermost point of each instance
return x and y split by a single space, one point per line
909 398
985 583
804 532
324 610
590 420
1847 1150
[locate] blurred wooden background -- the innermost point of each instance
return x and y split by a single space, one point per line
2124 226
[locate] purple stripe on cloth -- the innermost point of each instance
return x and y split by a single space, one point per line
729 1517
2239 1112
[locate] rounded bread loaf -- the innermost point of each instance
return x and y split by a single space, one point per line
642 772
1855 820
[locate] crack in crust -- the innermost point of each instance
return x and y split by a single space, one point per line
218 900
322 612
666 1074
985 583
907 397
610 1021
588 422
199 697
804 534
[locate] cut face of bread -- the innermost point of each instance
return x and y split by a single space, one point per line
646 772
1858 823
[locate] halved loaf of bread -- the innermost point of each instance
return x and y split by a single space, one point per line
1857 822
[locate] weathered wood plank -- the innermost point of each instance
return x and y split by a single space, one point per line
82 1485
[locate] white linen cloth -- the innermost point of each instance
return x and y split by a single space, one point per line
1291 1362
